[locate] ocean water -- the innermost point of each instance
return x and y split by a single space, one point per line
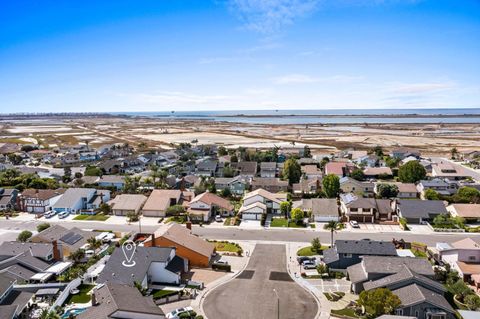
333 116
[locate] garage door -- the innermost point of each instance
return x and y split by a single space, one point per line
249 216
320 219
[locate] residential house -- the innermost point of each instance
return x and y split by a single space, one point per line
411 279
322 209
237 184
196 250
346 253
273 185
462 256
81 200
401 153
204 206
469 212
340 169
67 240
366 210
116 181
311 172
38 201
449 170
470 155
161 199
125 204
260 202
304 186
188 182
207 168
268 169
370 160
112 301
14 303
153 266
355 155
8 198
245 169
417 211
361 189
377 172
405 190
443 187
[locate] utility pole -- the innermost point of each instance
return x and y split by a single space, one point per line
278 303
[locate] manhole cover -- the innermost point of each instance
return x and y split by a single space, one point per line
280 276
246 274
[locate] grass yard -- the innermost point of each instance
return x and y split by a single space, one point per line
419 253
163 293
283 222
82 296
307 251
334 296
345 312
177 219
227 246
100 218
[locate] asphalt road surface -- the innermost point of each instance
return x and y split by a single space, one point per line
230 233
252 295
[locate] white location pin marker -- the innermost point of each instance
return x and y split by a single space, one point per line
128 249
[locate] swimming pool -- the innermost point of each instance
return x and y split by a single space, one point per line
75 312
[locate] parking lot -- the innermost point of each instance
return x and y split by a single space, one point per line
330 285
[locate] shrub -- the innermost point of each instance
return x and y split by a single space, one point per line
41 227
222 267
24 236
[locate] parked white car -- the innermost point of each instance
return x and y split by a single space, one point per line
354 224
63 214
50 214
175 314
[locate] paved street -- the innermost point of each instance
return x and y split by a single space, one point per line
251 294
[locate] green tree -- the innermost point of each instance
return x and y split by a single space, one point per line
292 171
454 153
306 151
316 245
104 208
226 192
285 208
331 185
411 172
94 243
431 194
175 210
67 175
460 289
297 215
377 150
228 172
392 161
322 269
47 314
472 301
332 226
387 190
378 302
24 236
357 174
222 151
77 255
41 227
467 195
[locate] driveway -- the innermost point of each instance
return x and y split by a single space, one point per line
330 285
251 294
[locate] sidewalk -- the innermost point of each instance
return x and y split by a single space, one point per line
294 270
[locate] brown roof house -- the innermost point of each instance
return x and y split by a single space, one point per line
196 250
273 185
38 201
206 205
469 212
366 210
161 199
124 204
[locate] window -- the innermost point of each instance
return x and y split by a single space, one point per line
347 255
416 313
471 258
399 312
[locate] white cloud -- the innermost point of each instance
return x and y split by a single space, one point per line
303 78
269 16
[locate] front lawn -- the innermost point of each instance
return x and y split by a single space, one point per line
82 296
178 219
100 218
283 222
334 296
307 251
345 312
227 246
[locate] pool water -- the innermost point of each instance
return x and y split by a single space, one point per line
75 312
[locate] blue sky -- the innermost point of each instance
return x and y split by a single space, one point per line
162 55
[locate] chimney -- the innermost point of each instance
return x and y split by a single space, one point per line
153 240
56 251
189 225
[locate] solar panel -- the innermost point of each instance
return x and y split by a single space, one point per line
71 238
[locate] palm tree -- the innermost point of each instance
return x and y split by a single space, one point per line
77 255
46 314
94 243
332 226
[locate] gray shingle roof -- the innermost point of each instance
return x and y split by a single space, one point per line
416 208
414 294
115 272
13 248
365 247
6 282
318 206
391 265
71 196
8 311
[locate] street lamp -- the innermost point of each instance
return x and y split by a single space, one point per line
278 303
